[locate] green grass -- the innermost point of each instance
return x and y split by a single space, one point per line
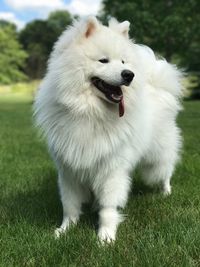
157 231
19 91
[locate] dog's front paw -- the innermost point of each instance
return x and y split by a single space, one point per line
106 235
167 190
67 222
59 231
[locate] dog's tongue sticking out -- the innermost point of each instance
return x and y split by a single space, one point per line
121 107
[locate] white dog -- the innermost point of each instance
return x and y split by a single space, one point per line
105 106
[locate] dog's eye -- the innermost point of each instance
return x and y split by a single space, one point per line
123 62
104 60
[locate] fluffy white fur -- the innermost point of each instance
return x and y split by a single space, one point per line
94 149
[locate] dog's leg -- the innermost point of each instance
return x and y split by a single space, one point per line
166 187
112 194
73 194
109 219
159 173
159 163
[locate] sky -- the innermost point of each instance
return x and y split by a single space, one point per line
22 11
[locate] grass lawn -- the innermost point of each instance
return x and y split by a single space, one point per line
157 231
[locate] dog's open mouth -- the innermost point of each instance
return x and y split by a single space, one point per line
112 93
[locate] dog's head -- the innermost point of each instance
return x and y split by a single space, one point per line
92 63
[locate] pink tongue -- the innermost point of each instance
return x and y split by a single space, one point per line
121 107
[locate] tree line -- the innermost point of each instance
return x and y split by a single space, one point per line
24 54
170 27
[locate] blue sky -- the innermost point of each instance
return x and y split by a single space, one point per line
22 11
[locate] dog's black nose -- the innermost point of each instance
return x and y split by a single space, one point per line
127 76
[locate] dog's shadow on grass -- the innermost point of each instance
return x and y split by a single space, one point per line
36 204
140 189
41 205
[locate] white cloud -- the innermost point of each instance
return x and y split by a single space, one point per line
9 16
35 4
86 7
43 7
80 7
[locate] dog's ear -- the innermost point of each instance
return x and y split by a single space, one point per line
122 28
91 25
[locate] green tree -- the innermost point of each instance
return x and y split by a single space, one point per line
5 23
38 38
170 27
59 20
12 56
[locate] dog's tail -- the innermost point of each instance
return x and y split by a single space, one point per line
167 77
160 73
